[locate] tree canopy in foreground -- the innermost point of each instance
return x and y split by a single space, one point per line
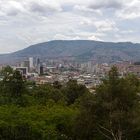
69 112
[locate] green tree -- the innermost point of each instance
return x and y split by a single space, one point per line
85 123
6 71
13 88
57 85
36 122
14 84
73 91
47 92
117 100
113 112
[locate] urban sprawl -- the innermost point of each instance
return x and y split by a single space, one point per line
88 73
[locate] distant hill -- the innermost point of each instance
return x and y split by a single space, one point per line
79 50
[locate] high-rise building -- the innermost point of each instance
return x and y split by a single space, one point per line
22 70
31 62
37 61
41 69
25 64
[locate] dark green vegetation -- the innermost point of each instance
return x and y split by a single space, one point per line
69 112
78 50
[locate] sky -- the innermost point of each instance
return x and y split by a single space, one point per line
27 22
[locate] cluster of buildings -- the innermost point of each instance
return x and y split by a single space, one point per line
29 66
87 73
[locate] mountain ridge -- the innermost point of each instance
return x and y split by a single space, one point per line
78 49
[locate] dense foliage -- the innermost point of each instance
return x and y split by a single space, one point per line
69 112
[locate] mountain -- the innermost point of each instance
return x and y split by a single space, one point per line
79 50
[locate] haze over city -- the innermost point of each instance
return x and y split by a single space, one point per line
27 22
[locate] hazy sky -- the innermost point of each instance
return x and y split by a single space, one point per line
26 22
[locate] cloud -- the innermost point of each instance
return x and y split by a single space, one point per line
65 37
130 11
44 7
93 37
100 25
15 7
115 4
83 8
26 22
105 25
10 8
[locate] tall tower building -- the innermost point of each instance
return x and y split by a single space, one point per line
38 61
31 62
25 64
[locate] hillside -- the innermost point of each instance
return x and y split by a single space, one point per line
78 49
